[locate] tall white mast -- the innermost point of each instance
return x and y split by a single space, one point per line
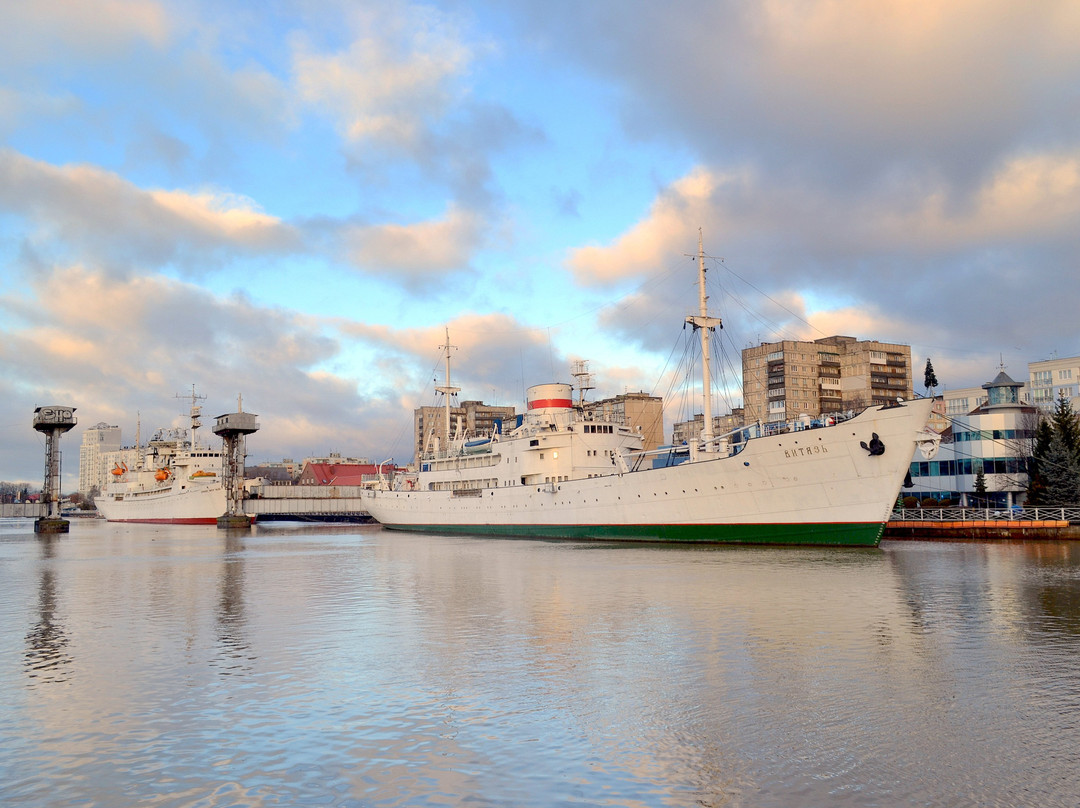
447 390
704 325
196 412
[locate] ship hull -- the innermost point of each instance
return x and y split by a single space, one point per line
808 487
187 506
829 535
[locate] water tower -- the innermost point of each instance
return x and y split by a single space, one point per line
233 427
52 422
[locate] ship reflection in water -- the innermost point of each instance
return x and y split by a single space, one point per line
153 665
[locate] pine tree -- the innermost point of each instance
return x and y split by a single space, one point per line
929 377
1065 424
980 487
1062 474
1054 467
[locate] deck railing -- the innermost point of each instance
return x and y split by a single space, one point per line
1017 514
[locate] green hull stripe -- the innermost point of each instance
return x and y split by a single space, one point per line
849 534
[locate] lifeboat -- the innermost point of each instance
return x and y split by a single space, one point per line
119 469
477 446
161 475
202 474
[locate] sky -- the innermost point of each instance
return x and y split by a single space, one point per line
295 202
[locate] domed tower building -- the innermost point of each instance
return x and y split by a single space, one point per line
996 437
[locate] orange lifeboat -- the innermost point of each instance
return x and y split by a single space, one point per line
161 475
119 469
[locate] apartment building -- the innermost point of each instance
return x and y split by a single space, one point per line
470 417
94 461
784 380
640 411
1048 379
686 431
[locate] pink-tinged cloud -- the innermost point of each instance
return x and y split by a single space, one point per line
93 30
114 347
395 77
1027 198
669 227
422 250
95 213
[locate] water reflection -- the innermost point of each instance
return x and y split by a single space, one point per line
236 653
47 658
1050 585
357 667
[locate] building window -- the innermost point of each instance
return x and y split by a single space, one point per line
956 406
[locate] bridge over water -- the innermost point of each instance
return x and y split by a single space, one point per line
283 501
265 501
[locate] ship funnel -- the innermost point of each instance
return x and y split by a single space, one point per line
549 397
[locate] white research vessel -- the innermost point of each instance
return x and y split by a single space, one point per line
175 481
561 473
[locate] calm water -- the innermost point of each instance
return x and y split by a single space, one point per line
348 666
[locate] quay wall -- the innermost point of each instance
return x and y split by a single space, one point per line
31 510
980 530
959 524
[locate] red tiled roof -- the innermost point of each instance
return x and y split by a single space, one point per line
338 473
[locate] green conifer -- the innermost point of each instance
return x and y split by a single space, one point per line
929 377
1054 467
1062 474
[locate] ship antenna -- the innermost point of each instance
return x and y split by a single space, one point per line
704 325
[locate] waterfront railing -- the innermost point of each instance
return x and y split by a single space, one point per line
1016 514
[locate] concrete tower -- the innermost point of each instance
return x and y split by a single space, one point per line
52 422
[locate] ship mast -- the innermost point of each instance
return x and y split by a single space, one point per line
704 325
196 411
447 389
580 371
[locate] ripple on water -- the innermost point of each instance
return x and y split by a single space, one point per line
364 668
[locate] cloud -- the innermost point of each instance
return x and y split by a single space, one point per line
494 358
845 94
932 265
489 351
137 74
1027 198
399 95
418 253
101 217
36 32
397 74
115 347
653 241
